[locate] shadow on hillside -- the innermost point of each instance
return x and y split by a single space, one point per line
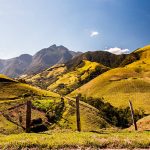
5 80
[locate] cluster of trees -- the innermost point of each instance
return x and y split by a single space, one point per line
120 117
54 114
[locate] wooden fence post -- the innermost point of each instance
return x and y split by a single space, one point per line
132 114
28 116
78 113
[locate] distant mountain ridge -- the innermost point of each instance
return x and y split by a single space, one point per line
76 72
131 80
103 57
43 59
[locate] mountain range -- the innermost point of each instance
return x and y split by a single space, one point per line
100 74
27 64
77 71
105 82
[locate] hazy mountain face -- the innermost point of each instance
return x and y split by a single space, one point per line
27 64
15 66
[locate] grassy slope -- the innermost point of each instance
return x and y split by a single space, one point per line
11 95
142 124
14 89
90 119
89 116
45 78
73 79
5 77
7 126
76 140
62 80
119 85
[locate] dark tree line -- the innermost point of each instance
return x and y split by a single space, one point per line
119 117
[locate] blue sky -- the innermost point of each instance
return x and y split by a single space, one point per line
27 26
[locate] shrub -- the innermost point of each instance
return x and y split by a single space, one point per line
120 117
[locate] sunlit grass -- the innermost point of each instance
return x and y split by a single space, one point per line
119 85
142 124
76 140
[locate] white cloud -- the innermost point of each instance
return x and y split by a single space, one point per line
117 50
94 33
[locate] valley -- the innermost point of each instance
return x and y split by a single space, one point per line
106 83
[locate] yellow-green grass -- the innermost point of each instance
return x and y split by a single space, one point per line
142 66
56 70
13 108
119 85
142 124
73 78
16 89
89 115
5 77
144 52
90 118
50 72
76 140
8 127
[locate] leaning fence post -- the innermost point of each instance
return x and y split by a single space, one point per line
132 114
28 116
78 112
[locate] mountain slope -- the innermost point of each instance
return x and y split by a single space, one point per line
12 89
27 64
48 57
119 85
15 66
47 107
80 75
63 80
142 124
76 72
102 57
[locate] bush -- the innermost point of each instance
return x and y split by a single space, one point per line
120 117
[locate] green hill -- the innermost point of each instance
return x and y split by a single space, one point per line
62 80
79 76
49 111
142 124
119 85
65 78
47 77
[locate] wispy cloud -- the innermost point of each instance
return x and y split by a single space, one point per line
117 50
94 33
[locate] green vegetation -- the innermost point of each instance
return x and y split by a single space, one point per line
53 108
47 77
119 85
54 114
14 90
143 124
119 117
103 108
83 73
47 109
62 80
76 140
8 127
